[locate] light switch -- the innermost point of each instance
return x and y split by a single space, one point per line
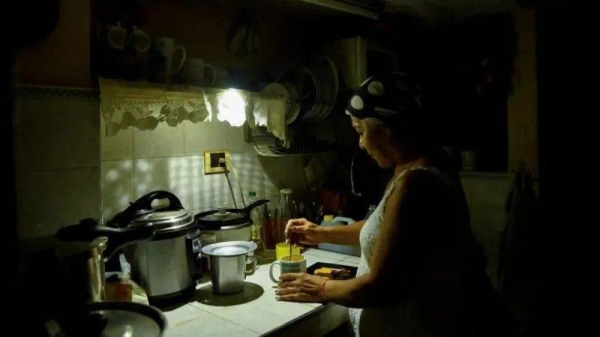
216 161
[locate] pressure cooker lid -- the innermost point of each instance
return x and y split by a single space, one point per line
167 221
229 248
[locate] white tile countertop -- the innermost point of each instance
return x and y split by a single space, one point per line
256 312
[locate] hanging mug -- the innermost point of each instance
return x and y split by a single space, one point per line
140 40
197 72
169 63
113 36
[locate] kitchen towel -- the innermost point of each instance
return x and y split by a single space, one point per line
269 112
520 253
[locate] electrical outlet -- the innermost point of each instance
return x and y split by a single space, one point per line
215 161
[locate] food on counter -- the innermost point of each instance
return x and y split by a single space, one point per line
333 273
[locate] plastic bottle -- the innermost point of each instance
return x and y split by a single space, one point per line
123 289
370 211
330 220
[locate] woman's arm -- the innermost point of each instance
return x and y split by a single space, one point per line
383 282
386 281
344 234
309 233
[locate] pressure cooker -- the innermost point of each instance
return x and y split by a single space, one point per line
168 265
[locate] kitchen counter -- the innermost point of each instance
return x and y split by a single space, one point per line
256 312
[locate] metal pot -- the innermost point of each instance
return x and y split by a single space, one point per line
169 265
228 262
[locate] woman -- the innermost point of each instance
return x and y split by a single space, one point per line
421 271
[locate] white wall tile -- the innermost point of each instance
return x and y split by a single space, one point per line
184 176
195 173
54 133
118 146
286 172
215 191
48 200
117 182
164 141
236 142
252 176
169 174
200 137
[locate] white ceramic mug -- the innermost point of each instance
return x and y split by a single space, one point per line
221 74
469 160
141 40
296 265
197 72
116 36
173 65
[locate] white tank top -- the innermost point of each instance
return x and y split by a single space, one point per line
389 321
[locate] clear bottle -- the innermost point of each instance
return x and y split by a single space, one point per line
285 203
256 217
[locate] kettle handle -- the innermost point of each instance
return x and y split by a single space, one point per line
144 203
255 204
88 229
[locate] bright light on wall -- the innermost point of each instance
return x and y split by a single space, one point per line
232 108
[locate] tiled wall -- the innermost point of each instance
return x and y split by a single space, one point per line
67 169
57 159
136 162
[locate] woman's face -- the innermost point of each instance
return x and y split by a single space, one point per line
374 138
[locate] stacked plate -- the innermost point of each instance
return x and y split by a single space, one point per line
312 91
290 94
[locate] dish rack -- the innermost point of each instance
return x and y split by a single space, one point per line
268 145
311 93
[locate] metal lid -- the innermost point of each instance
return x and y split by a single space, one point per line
229 248
166 221
225 227
126 319
223 215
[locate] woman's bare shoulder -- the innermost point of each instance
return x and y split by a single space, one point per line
416 188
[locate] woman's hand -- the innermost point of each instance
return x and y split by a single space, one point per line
304 232
300 287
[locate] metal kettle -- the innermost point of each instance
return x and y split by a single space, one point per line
86 246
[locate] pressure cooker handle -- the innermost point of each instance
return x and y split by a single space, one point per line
88 229
145 202
143 206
